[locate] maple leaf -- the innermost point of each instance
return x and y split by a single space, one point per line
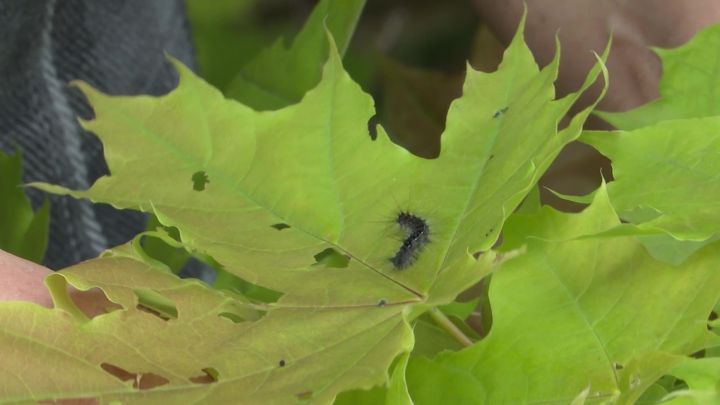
280 188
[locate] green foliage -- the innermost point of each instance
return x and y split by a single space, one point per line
701 377
22 232
570 314
224 37
295 208
172 256
278 189
663 157
689 87
278 77
664 185
275 77
664 175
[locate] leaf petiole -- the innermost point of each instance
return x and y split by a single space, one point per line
444 322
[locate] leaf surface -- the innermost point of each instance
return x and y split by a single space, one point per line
666 175
568 314
280 76
702 377
271 359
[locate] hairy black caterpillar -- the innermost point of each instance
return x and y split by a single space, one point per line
418 235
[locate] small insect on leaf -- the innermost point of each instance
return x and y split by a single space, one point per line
418 235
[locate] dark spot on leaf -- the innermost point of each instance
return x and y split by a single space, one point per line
372 126
618 366
211 375
200 179
304 396
331 258
280 226
154 303
281 363
500 112
381 303
491 156
141 381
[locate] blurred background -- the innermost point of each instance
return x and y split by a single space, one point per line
410 55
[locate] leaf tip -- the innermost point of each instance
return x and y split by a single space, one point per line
182 70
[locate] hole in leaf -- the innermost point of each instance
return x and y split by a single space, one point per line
93 302
141 381
280 226
372 126
500 112
179 260
233 317
152 302
228 281
200 179
331 258
150 380
196 268
304 396
118 372
281 363
211 375
153 312
480 317
238 312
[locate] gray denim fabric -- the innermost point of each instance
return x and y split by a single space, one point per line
118 46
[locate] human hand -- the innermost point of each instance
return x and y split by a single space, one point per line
585 25
22 280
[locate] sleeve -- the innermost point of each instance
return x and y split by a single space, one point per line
119 47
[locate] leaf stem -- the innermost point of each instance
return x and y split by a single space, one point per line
442 321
